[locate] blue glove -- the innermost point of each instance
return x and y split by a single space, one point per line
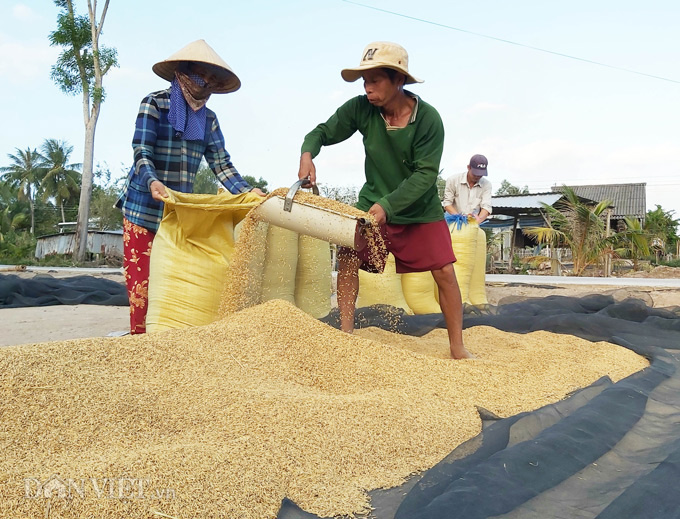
458 219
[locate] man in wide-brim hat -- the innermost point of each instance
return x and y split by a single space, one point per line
403 140
174 131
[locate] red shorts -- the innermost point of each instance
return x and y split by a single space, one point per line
416 247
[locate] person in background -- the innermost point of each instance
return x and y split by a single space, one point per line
173 133
469 193
403 141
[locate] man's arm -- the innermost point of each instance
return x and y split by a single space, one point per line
485 204
450 193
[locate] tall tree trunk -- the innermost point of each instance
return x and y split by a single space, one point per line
61 204
32 206
86 186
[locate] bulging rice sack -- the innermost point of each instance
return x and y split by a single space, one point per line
464 242
420 291
477 288
190 257
313 281
280 266
382 289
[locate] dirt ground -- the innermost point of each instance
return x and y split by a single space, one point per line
61 322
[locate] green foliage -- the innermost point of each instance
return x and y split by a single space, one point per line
259 183
346 194
105 193
632 242
673 263
506 188
102 210
17 248
441 185
61 180
74 71
206 182
24 173
579 226
662 228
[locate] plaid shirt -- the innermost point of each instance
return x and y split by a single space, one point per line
161 155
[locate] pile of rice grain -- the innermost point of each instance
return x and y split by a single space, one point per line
268 403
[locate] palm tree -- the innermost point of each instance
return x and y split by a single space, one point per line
12 210
61 180
633 241
577 225
24 174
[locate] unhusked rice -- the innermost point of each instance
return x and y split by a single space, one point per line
268 403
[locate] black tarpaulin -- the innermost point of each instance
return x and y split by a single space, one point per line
45 290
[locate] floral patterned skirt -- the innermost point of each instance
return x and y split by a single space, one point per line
137 253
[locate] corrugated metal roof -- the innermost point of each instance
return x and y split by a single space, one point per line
627 199
532 201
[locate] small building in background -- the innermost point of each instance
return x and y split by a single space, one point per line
99 243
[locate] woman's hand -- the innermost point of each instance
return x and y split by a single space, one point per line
157 189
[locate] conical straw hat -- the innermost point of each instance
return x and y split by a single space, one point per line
200 52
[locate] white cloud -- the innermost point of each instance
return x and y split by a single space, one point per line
23 12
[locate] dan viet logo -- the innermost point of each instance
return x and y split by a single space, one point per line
56 487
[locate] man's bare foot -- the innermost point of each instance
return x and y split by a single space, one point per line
459 352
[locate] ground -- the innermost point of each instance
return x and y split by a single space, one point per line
60 322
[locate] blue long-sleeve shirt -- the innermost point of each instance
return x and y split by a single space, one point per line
160 154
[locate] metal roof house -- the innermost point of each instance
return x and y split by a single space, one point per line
522 211
628 200
519 212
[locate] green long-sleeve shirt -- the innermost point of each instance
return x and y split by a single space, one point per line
401 164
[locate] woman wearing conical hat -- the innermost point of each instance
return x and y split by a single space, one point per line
174 131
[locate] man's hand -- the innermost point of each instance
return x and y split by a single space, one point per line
307 168
258 191
378 213
158 191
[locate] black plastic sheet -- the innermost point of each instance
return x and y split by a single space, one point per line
45 290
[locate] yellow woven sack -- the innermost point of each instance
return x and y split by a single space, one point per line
477 289
313 282
382 289
280 265
419 292
190 256
464 242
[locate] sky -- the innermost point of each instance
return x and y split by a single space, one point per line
537 87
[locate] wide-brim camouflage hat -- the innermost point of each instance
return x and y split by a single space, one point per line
223 81
381 54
